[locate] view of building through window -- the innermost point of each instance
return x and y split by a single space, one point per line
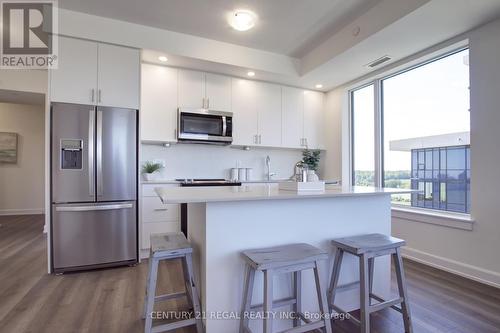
426 140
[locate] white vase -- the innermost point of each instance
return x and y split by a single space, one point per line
312 176
148 176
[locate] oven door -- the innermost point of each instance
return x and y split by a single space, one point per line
204 125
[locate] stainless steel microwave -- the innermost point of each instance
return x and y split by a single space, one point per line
205 126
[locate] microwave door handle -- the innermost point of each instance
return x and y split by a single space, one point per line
224 126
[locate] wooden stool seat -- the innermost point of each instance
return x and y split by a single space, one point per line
367 243
168 244
367 248
292 258
280 256
171 246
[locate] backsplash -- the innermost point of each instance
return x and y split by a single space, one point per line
207 161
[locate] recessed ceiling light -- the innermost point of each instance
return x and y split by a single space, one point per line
162 58
319 86
242 20
251 73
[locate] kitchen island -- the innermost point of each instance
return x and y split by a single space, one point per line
223 221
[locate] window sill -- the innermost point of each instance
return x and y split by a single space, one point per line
445 219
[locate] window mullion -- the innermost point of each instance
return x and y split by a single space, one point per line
378 140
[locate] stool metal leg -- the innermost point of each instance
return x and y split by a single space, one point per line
405 305
371 269
364 296
323 306
268 301
297 294
334 280
187 283
247 298
150 296
195 300
144 311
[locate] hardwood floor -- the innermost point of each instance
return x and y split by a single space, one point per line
111 300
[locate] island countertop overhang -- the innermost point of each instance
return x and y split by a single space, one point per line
178 195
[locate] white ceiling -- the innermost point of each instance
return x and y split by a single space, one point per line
290 27
313 41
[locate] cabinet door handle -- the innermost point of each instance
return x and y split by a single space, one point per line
161 209
92 94
99 95
260 139
208 103
203 102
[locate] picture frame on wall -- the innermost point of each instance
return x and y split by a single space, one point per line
8 147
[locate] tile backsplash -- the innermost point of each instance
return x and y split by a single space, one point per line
207 161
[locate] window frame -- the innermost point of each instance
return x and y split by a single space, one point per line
377 82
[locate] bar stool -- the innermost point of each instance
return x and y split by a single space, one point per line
170 246
367 248
271 261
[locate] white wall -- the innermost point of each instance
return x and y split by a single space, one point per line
206 161
469 253
22 184
335 105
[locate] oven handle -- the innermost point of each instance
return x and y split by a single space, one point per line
224 126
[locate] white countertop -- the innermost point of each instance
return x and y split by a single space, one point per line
177 195
256 181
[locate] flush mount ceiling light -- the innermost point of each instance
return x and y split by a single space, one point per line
242 20
251 73
319 86
162 58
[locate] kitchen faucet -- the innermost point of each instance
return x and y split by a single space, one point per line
268 166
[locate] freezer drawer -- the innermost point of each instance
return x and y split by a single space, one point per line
84 236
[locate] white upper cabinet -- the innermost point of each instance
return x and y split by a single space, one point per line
94 73
75 79
269 114
118 76
218 92
158 103
245 118
314 119
191 89
204 90
293 117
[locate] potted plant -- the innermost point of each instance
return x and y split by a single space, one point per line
310 158
149 168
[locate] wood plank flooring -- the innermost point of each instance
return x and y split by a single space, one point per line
111 300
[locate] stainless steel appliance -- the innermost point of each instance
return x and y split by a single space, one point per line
197 183
205 126
94 186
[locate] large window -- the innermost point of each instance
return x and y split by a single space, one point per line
423 134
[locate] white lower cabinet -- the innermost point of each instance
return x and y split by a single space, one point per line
157 217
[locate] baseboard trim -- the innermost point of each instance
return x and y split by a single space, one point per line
38 211
471 272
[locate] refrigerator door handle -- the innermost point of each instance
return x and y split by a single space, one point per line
99 154
93 208
91 144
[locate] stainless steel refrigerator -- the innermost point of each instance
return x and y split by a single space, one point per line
94 186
